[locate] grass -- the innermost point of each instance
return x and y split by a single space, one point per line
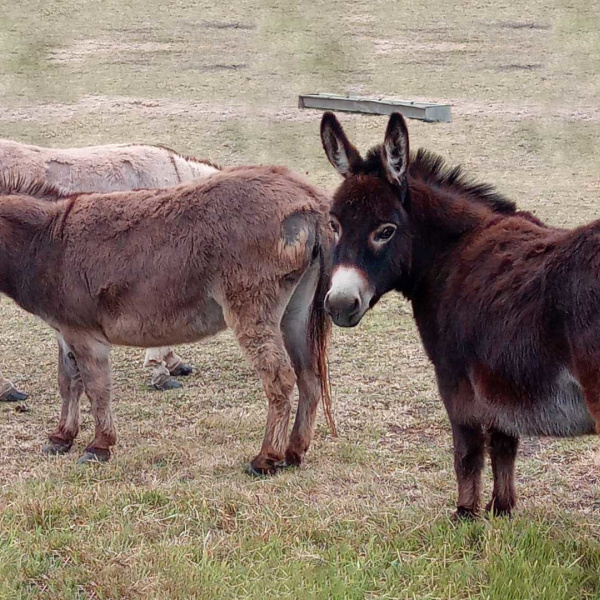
173 515
181 542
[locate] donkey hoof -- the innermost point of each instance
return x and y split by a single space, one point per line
464 515
13 395
260 467
94 455
293 458
169 384
495 509
56 448
182 370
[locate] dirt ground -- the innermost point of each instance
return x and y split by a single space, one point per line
222 83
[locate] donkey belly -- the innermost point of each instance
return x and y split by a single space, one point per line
180 327
562 412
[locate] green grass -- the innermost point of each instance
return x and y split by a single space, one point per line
180 542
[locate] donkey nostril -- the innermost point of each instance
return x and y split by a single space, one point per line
355 305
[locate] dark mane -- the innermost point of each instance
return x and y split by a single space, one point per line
433 169
15 184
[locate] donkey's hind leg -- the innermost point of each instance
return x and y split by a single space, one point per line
296 331
261 340
70 387
94 366
503 453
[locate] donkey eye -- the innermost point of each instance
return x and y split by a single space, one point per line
385 234
335 227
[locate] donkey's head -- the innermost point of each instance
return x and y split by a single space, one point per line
368 216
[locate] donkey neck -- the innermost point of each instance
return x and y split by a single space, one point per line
24 241
441 222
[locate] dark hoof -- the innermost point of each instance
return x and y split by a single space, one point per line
182 370
169 384
260 467
92 455
463 515
293 458
13 395
56 448
494 509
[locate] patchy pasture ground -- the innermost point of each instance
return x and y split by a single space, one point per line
173 515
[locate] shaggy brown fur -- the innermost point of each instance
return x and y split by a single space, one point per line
508 308
247 248
52 172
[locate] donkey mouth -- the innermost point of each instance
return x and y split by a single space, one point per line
343 319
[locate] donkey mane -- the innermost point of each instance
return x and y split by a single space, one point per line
432 169
190 158
16 184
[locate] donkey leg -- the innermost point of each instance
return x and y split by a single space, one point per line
161 375
469 452
264 347
93 359
503 452
8 392
295 326
175 364
70 387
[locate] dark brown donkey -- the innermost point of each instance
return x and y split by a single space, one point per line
246 248
507 308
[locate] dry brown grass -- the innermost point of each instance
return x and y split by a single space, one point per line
173 515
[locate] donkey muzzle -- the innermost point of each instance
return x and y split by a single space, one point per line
348 297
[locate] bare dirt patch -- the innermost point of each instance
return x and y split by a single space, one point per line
83 50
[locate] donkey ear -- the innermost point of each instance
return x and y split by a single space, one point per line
340 152
395 150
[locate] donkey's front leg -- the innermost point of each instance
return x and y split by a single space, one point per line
70 387
469 453
93 359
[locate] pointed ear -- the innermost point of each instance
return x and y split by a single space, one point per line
340 152
395 152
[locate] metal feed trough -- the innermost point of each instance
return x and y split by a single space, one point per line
425 111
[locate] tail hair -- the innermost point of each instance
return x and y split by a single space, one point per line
320 334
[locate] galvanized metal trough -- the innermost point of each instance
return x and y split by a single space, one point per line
424 111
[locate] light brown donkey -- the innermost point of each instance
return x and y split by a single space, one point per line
108 168
246 248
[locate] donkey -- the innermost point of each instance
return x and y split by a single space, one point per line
508 309
108 168
246 248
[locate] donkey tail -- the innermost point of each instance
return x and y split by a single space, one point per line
320 334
